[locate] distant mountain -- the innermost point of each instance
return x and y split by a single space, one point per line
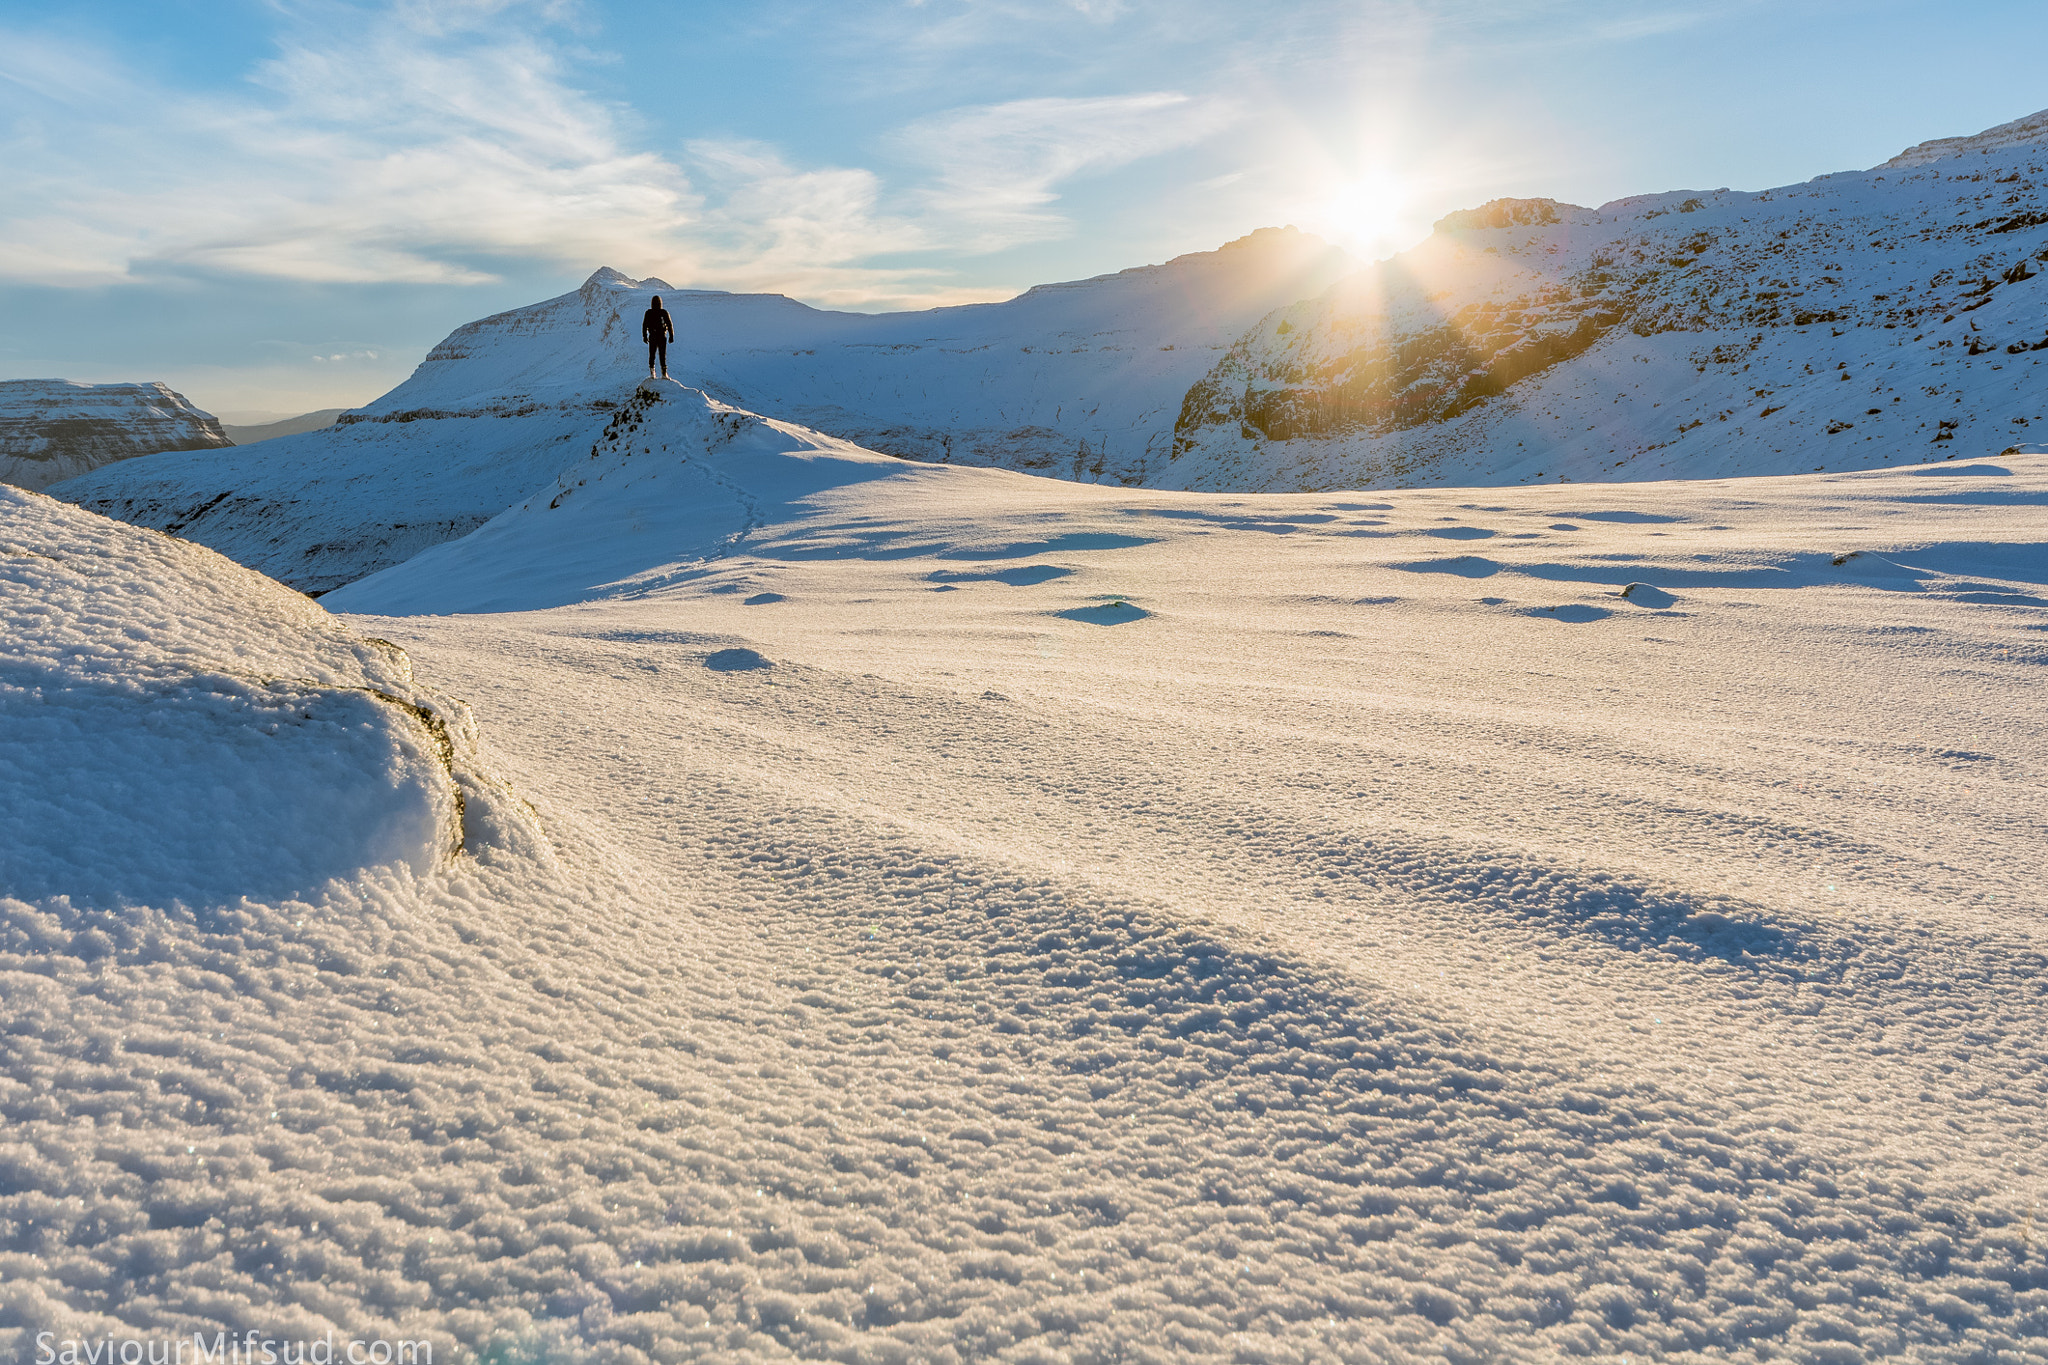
1859 319
1081 380
290 426
56 429
1072 379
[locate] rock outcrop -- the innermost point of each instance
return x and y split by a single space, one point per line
55 429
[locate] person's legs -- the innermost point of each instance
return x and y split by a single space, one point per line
657 351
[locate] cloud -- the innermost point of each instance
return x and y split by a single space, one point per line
997 165
446 144
415 151
769 225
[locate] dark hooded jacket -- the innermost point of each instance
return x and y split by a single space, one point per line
657 325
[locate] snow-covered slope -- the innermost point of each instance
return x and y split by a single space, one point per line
491 415
1864 317
1070 378
54 429
1081 923
1074 380
676 483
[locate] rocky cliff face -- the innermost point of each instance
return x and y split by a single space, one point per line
1674 334
1391 348
52 429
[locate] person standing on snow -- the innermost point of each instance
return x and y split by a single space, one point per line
657 329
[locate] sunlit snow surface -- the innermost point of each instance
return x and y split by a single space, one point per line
988 918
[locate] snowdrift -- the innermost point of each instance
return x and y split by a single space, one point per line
182 731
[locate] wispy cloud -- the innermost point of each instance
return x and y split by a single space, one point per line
997 166
402 141
771 226
417 150
443 144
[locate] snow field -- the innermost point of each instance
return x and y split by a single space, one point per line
1651 973
973 917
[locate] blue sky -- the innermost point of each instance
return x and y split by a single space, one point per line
280 205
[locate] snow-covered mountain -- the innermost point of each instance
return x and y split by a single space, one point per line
1859 319
56 429
1071 379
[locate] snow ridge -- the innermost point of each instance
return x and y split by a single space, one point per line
2029 131
675 482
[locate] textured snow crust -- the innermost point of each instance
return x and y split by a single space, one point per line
56 429
981 917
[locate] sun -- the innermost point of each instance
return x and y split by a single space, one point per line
1363 213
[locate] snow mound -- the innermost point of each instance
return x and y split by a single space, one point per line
56 429
181 730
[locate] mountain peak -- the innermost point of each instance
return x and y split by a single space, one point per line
1289 238
2031 129
1501 213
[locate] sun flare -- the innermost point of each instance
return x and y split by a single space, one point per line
1363 212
